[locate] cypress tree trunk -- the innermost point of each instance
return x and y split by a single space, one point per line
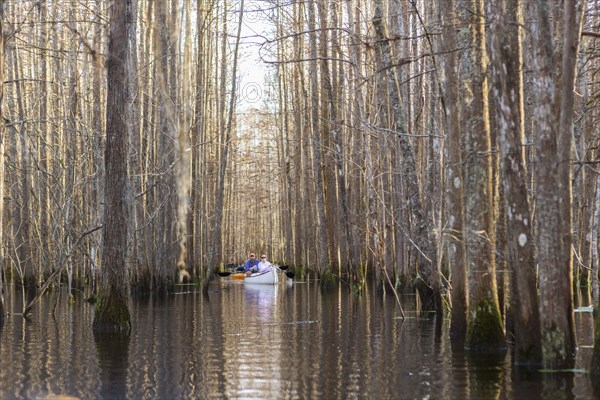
508 90
428 285
165 239
553 145
215 253
321 240
111 313
595 366
484 324
454 178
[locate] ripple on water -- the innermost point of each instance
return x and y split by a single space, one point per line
285 342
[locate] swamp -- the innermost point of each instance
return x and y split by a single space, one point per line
266 341
426 170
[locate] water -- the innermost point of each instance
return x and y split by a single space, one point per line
288 341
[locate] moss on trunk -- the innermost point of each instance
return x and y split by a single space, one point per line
555 351
111 315
484 329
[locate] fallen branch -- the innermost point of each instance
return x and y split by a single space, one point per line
393 287
58 271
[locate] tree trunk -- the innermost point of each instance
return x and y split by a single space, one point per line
484 324
595 365
135 136
216 252
321 239
23 223
165 157
428 285
111 313
507 67
199 133
357 161
43 193
454 178
298 154
184 162
98 145
552 192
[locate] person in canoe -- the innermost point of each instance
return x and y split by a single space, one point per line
251 265
264 265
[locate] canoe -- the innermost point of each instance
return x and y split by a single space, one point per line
238 275
266 278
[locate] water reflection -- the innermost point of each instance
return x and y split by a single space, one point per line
485 374
253 344
113 361
285 341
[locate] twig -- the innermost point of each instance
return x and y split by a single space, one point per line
394 290
58 271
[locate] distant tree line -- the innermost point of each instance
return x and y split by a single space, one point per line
448 148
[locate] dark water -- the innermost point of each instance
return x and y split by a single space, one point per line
288 341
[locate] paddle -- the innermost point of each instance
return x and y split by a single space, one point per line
283 268
289 274
227 273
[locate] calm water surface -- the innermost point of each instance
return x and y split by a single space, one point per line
285 341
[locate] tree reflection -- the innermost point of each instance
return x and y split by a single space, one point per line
486 374
557 386
113 359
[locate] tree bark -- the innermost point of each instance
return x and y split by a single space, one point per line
595 363
507 68
223 160
454 177
166 236
552 192
98 147
321 239
428 284
112 313
357 113
484 324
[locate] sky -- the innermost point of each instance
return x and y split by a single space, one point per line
252 70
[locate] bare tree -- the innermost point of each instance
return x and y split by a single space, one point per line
428 285
553 175
322 250
484 324
595 363
506 54
111 313
454 176
164 157
215 252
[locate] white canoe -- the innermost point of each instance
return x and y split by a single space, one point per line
268 278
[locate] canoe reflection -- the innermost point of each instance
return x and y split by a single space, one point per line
260 299
252 361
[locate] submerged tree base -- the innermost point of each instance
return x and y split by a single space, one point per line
555 351
484 328
111 316
327 279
